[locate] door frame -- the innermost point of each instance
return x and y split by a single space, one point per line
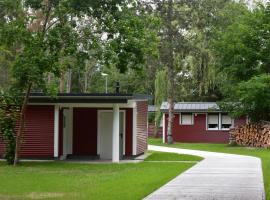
99 124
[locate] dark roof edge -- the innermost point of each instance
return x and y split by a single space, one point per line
85 98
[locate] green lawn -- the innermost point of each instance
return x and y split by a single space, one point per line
58 180
161 156
264 154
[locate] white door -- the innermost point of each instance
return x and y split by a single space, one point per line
105 134
67 131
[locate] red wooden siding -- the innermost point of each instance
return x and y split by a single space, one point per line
142 110
129 130
60 142
85 131
2 148
38 137
196 132
240 122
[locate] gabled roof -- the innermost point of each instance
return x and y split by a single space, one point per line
85 98
191 107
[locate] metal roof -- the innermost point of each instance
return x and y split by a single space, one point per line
85 98
191 107
152 108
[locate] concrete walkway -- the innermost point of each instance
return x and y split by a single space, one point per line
218 176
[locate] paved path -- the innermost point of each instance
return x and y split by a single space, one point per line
218 176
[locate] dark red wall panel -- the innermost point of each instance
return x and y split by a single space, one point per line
129 130
240 122
60 142
38 137
2 147
85 131
196 132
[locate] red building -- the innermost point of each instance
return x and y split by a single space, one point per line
200 122
97 126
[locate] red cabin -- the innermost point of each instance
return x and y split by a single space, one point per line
92 126
200 122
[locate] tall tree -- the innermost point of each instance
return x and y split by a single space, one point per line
243 50
160 96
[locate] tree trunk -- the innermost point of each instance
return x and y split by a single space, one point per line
69 81
170 67
171 113
62 82
85 82
21 125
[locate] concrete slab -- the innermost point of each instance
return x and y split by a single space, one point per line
218 177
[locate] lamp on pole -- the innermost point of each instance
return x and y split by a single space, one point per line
106 81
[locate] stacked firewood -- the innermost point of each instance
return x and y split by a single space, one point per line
252 135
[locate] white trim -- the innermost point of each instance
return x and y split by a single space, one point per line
124 129
134 132
219 122
98 132
247 120
56 131
206 122
233 122
192 119
115 134
163 128
71 129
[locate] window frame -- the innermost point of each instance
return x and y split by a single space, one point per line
225 129
218 124
185 113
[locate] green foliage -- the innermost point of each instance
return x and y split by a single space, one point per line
254 98
8 115
151 117
160 94
243 51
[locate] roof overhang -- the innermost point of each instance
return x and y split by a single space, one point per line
192 111
85 98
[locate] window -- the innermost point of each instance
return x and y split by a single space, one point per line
186 119
226 122
212 121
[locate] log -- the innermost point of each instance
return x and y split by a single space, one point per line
252 135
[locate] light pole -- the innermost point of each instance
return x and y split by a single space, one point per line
106 79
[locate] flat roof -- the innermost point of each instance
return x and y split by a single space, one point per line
191 107
86 98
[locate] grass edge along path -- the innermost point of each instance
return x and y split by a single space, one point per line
263 154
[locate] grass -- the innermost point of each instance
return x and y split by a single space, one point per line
264 154
161 156
58 180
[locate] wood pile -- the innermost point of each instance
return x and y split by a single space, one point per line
252 135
